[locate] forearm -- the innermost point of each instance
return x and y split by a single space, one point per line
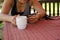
38 8
4 17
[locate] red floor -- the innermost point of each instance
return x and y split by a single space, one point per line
42 30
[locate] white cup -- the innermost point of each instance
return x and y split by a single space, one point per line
21 22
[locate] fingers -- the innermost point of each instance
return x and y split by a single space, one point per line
13 20
32 21
33 18
13 23
18 15
14 17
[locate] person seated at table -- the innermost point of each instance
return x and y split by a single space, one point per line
18 7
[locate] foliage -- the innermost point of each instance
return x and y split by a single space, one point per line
1 1
1 24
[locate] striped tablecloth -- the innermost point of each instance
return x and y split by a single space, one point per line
42 30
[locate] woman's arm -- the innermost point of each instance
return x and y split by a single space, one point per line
4 17
5 11
39 8
6 6
41 12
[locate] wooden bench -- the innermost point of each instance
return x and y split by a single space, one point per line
52 7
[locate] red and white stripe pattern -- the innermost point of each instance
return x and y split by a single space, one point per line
42 30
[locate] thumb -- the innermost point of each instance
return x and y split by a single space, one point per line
18 15
14 17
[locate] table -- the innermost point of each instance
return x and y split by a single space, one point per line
42 30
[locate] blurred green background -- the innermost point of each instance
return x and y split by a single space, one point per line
1 2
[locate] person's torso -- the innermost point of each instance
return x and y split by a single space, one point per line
19 8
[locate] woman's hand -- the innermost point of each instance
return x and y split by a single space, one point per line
13 20
33 18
